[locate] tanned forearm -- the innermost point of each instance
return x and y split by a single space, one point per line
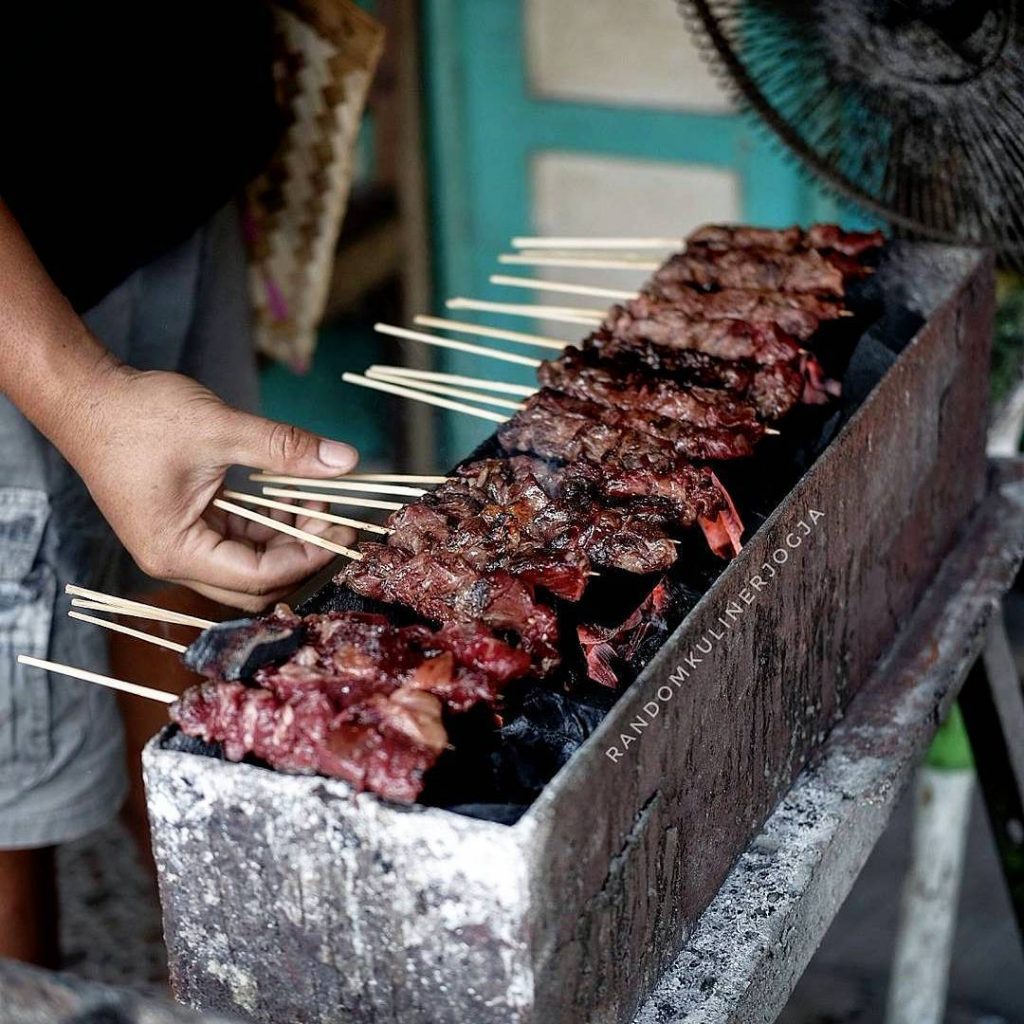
49 361
153 447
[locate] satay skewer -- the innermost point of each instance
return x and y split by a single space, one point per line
156 615
405 392
539 284
522 390
412 377
444 389
529 259
568 242
340 484
459 346
138 634
498 333
333 499
399 478
123 606
290 531
309 513
577 315
100 680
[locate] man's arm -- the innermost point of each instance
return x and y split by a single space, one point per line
153 447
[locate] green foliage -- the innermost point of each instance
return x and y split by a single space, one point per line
1008 341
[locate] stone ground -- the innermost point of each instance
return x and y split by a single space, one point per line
111 926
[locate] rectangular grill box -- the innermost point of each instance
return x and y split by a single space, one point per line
291 898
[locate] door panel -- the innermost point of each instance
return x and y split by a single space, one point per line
596 143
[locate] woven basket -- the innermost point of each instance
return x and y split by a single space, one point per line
327 53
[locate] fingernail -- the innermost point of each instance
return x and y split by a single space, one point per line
338 455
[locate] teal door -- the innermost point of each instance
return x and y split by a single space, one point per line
497 126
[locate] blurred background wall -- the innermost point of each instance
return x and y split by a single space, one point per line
491 118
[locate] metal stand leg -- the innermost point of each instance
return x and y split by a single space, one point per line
924 943
993 708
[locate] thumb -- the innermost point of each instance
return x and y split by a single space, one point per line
282 448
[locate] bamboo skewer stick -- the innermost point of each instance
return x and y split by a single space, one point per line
405 374
498 333
589 254
523 390
539 284
540 242
578 315
138 634
444 389
95 677
334 499
526 259
340 484
122 606
419 396
291 531
458 346
156 615
325 517
399 478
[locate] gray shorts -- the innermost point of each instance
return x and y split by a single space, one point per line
61 756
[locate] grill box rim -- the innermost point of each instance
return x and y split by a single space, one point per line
515 949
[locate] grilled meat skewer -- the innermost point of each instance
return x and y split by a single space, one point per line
356 698
444 588
627 464
584 375
773 390
761 269
827 237
797 314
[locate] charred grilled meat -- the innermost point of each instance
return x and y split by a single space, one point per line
773 390
583 375
358 699
627 464
444 588
761 269
828 237
798 315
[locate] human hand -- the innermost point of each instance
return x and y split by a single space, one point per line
153 449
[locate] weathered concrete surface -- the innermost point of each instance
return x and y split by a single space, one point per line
32 996
289 899
753 942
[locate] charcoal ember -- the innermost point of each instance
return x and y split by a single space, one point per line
443 588
548 728
235 650
608 648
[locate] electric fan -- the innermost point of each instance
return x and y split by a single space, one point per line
913 109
